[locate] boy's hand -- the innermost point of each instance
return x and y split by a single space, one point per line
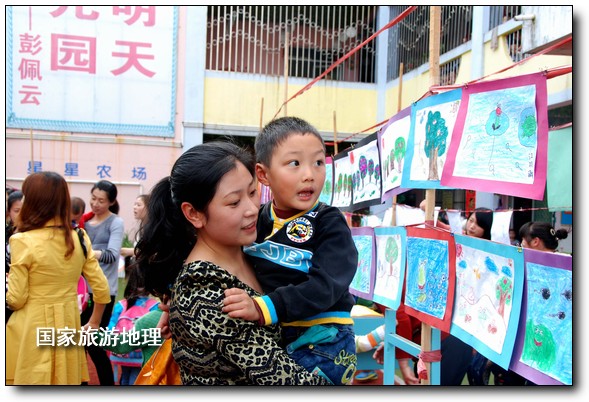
238 304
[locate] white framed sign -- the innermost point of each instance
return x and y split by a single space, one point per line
94 69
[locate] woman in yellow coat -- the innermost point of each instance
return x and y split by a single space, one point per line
47 260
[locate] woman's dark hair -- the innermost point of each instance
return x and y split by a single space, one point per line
14 196
484 220
543 231
46 197
111 192
78 205
135 287
167 237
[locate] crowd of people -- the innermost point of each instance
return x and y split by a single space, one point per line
247 293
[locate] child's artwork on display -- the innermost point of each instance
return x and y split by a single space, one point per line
500 227
392 142
327 192
456 221
430 276
365 162
342 181
500 140
544 349
363 282
390 265
404 216
432 124
489 283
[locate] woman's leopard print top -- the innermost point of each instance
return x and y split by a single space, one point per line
213 349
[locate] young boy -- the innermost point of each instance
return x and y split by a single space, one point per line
304 255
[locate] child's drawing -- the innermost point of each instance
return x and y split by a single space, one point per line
489 281
392 140
363 282
501 137
327 192
544 352
342 184
390 265
365 163
432 125
429 288
499 140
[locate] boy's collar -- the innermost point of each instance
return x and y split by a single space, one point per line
284 213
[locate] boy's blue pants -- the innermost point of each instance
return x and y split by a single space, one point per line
328 350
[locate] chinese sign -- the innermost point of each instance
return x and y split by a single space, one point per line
96 69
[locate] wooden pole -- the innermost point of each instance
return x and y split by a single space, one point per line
399 98
286 50
335 151
430 194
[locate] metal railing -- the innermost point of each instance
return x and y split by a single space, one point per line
253 39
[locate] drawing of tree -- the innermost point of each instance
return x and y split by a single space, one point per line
377 173
349 184
528 127
436 133
327 186
370 170
391 158
400 148
338 186
391 253
504 288
363 166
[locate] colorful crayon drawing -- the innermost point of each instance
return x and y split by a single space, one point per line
365 163
499 143
363 282
393 139
489 282
427 275
548 335
342 185
390 265
429 281
499 140
327 192
432 124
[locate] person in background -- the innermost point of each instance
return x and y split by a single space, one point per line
139 213
13 207
105 229
541 236
136 296
304 255
78 209
513 238
190 250
46 261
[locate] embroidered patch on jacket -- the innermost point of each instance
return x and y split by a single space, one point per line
299 230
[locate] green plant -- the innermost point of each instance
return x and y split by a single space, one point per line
127 243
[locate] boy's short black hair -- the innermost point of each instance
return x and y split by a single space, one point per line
279 130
